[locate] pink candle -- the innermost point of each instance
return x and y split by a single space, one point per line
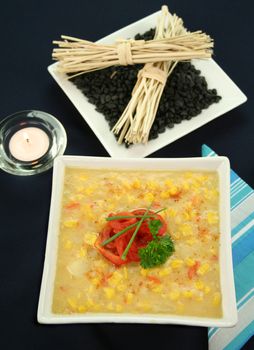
29 144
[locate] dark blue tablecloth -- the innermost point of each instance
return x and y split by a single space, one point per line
27 30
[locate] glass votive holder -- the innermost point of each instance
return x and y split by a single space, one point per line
30 141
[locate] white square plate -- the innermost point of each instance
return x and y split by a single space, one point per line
215 76
218 164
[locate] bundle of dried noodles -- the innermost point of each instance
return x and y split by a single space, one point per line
136 121
81 56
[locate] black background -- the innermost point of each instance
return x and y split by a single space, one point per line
27 28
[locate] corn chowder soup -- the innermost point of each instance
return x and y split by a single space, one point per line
188 283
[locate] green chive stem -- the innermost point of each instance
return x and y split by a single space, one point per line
133 236
118 234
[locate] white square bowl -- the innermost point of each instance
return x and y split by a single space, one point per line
215 77
218 164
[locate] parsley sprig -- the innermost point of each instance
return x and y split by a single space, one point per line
156 252
154 227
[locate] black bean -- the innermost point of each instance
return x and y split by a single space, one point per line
154 136
170 125
162 129
179 103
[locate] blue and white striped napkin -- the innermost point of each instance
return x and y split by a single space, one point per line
242 233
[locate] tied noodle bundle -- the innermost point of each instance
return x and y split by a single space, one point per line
137 119
81 56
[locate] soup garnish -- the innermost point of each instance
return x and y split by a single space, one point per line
136 236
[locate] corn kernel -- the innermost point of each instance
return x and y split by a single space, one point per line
201 178
115 278
89 190
68 244
149 197
190 262
171 212
213 251
110 292
174 295
169 183
216 299
195 187
143 272
95 281
211 194
119 308
110 307
164 272
90 216
127 185
176 235
130 199
199 285
152 185
173 190
186 216
203 269
82 252
191 241
83 177
187 294
157 289
70 223
136 184
72 303
144 306
193 214
207 289
86 207
212 218
176 264
82 308
79 197
186 186
90 238
111 207
90 302
186 230
125 272
164 195
129 298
